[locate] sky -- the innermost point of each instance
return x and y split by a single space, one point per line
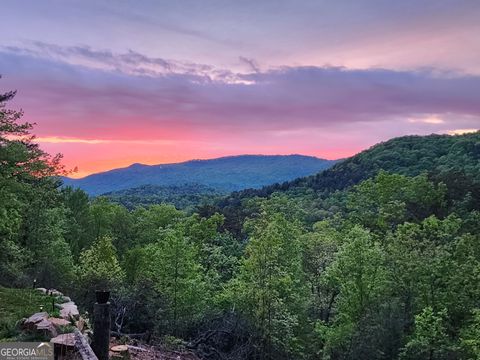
111 83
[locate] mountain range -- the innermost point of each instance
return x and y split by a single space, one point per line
223 174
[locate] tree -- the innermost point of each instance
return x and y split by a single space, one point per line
430 339
79 220
361 278
99 269
319 249
420 283
50 258
24 170
384 202
172 264
270 288
463 279
470 336
21 158
147 222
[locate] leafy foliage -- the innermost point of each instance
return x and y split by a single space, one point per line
453 160
270 286
99 263
185 197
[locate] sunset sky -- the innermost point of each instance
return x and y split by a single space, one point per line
110 83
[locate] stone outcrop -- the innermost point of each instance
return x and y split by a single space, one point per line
40 324
35 318
65 299
47 328
69 311
65 347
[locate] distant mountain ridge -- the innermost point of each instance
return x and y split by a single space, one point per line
231 173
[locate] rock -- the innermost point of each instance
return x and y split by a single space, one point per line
57 322
67 340
64 299
88 335
35 318
43 290
54 292
64 347
46 327
69 311
38 323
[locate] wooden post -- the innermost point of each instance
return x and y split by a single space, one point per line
101 330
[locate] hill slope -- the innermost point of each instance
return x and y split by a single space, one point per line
224 174
182 196
407 155
454 160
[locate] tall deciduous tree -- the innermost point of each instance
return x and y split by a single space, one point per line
384 202
359 274
99 269
173 265
79 220
271 287
430 339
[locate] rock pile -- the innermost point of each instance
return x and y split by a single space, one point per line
43 325
54 328
39 324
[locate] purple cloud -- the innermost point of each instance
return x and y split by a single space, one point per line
77 89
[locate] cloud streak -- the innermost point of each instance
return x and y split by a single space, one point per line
129 63
69 140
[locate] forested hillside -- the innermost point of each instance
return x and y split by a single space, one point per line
453 160
377 258
185 197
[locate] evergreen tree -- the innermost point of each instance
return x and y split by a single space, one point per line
25 171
